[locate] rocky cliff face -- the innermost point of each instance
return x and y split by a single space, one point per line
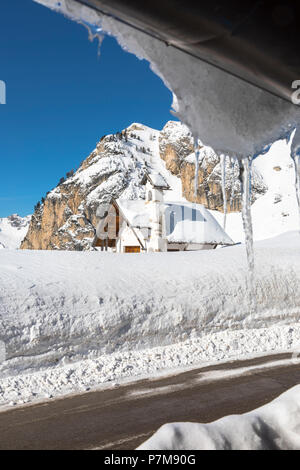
177 150
67 217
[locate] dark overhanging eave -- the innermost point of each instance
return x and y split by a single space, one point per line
253 40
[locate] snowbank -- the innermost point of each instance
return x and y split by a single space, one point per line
275 426
72 320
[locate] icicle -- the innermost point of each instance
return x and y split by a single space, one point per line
295 154
233 162
223 175
245 179
100 38
296 159
197 157
83 15
94 33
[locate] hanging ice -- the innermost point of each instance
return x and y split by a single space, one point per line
233 162
82 14
223 177
197 157
94 33
295 154
245 179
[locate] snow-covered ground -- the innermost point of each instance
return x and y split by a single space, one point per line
274 426
13 230
73 320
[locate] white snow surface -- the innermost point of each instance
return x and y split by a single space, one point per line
275 426
13 230
74 320
277 210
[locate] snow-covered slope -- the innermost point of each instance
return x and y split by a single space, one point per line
13 230
71 320
275 426
276 211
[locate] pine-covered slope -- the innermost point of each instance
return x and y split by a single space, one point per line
67 217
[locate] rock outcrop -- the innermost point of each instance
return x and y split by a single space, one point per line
177 150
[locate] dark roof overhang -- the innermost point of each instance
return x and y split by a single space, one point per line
257 41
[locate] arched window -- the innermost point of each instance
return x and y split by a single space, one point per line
149 195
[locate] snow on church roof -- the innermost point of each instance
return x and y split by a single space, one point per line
192 223
183 222
135 212
156 180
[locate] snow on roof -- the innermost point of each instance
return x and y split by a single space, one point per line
135 212
183 222
156 179
192 223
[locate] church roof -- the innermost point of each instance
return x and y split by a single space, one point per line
183 222
156 180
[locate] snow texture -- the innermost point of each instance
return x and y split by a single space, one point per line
13 230
276 211
275 426
73 320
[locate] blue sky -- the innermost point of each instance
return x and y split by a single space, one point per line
61 98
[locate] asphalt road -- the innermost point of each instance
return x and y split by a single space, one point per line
125 416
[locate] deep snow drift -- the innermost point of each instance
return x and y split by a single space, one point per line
72 320
275 426
13 230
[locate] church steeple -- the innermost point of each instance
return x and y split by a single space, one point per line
155 187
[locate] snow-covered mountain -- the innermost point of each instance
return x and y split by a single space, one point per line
13 230
66 219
